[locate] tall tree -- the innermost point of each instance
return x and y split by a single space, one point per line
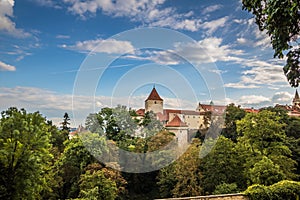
66 122
233 113
94 185
183 178
222 165
281 20
78 154
24 154
263 136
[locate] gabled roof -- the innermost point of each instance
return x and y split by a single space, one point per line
213 108
176 122
154 95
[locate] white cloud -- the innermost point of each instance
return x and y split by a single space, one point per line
6 24
212 8
62 37
159 57
109 46
240 85
242 40
212 26
253 100
263 72
6 67
148 12
259 73
179 24
48 3
251 35
208 50
282 98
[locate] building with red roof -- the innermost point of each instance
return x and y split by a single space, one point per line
294 109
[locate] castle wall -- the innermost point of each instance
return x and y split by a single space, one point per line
193 121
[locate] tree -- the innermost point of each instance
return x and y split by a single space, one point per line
265 172
281 20
78 154
166 180
222 166
24 154
57 139
263 136
95 185
233 113
226 188
186 173
65 124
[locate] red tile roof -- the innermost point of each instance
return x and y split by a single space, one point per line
213 108
140 112
154 95
251 110
176 122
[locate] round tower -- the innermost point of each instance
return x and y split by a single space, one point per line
154 102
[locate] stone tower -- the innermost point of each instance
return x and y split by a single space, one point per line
154 102
296 101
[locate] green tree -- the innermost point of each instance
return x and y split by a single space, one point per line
57 139
77 154
95 185
183 177
222 165
233 113
66 122
280 19
265 172
166 180
226 188
292 131
263 136
24 154
188 175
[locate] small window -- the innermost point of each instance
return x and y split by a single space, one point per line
154 102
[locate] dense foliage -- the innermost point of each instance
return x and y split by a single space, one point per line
260 152
288 190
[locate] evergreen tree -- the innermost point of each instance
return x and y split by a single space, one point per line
66 123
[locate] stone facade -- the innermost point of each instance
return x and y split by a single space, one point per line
154 102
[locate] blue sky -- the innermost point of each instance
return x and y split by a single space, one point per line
51 51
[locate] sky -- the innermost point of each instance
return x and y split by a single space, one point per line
79 56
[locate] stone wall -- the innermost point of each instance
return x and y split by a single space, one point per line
214 197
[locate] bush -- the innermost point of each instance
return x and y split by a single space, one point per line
287 190
258 192
226 188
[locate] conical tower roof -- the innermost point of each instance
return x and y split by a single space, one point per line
154 95
296 98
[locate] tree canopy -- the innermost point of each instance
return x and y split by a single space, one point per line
24 154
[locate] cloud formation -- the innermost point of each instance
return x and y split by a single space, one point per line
148 12
212 8
6 67
109 46
6 24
